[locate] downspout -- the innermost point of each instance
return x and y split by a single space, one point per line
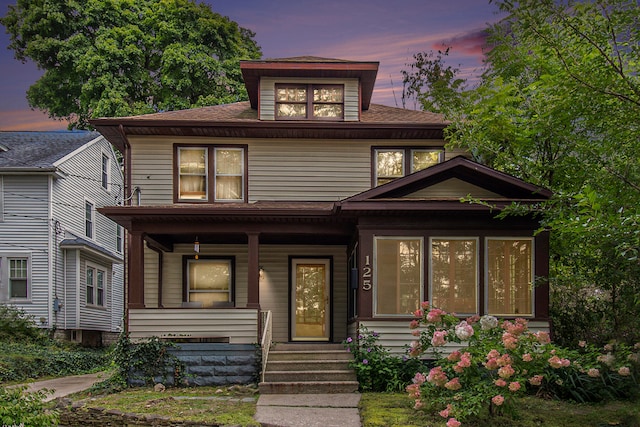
52 268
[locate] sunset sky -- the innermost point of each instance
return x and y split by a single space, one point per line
388 31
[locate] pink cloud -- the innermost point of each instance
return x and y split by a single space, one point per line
29 120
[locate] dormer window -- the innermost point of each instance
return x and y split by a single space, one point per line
309 102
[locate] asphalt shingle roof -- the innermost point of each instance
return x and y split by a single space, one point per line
39 149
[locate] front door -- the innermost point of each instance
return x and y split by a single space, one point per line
311 297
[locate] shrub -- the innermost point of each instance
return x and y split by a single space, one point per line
17 326
504 359
26 409
376 369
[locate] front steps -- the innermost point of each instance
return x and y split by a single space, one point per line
308 368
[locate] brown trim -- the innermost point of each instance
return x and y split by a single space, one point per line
253 271
136 270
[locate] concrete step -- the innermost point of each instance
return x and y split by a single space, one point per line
309 376
307 365
321 387
292 346
309 355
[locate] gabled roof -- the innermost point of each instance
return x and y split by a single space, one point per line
75 242
309 66
494 186
35 151
239 120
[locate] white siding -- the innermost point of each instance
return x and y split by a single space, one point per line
351 94
25 233
240 326
279 169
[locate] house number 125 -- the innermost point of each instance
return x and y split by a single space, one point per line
366 275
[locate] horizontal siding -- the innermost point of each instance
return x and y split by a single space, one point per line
25 232
396 336
239 325
91 317
278 169
267 95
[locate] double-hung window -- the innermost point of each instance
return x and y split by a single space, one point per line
209 281
454 274
210 174
95 279
398 275
394 163
18 278
309 102
105 176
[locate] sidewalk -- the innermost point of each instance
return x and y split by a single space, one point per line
65 386
308 410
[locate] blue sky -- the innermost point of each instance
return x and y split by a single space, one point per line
388 31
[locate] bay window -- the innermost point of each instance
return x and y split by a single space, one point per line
210 174
398 275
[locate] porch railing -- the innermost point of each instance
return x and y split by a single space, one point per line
265 342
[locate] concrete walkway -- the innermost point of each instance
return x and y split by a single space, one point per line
65 386
308 410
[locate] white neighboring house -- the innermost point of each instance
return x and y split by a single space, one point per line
61 261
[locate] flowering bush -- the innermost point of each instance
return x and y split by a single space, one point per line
497 360
376 368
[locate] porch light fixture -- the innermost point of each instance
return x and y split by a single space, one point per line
261 269
196 247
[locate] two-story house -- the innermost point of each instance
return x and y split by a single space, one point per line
61 261
315 205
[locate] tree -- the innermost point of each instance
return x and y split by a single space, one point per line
559 106
125 57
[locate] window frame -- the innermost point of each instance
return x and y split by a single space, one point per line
95 288
105 172
477 285
407 159
27 260
309 103
89 220
210 171
186 290
533 274
421 269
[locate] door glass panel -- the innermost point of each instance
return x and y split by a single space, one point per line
310 317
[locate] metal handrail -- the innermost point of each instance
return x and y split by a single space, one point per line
265 342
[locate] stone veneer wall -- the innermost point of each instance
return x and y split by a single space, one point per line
217 364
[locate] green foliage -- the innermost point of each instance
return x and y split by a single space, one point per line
558 106
20 407
22 361
17 326
142 362
504 359
124 57
376 369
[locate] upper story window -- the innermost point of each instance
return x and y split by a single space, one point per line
210 173
394 163
89 210
309 102
106 172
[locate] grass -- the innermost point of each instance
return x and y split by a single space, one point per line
395 410
213 405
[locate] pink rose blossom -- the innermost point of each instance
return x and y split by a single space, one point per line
454 356
500 382
414 348
415 333
516 328
510 341
624 371
608 347
514 386
438 339
504 360
413 390
582 344
435 315
454 384
506 371
453 423
491 364
498 400
557 362
536 380
424 305
418 313
465 360
414 324
593 373
419 378
464 331
527 357
473 319
543 337
437 376
493 354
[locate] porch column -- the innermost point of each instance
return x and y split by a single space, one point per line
253 267
135 290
